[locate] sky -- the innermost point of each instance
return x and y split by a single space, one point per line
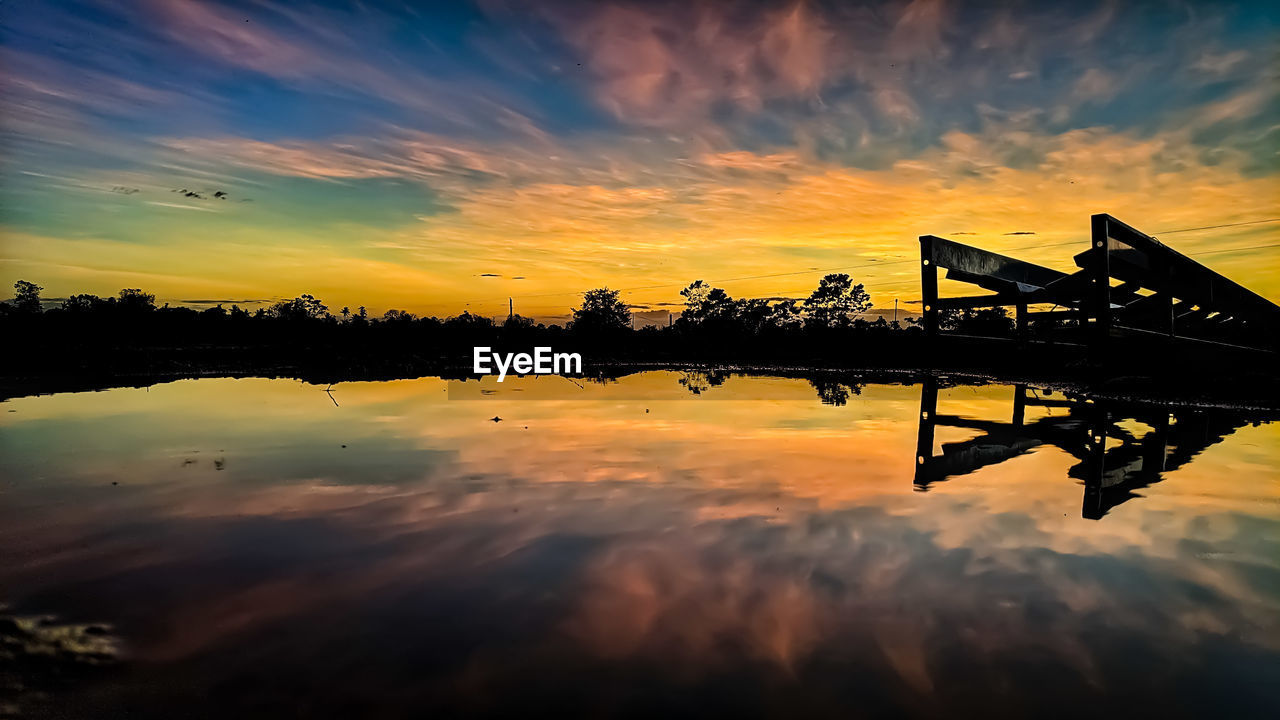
442 157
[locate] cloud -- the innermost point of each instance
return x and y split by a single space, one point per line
695 139
659 67
178 55
1236 108
1219 63
752 549
179 206
228 301
233 39
1095 85
918 31
637 218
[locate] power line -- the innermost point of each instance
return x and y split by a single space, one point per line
751 277
1227 250
884 283
720 280
874 263
1044 245
1215 227
848 267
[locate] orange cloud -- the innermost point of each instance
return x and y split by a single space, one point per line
631 214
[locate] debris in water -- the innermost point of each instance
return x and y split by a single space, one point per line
44 658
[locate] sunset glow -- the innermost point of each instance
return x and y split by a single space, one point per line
446 158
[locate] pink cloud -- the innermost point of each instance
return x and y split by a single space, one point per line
659 68
309 50
918 31
234 40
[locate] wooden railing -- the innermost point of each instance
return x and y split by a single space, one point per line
1128 285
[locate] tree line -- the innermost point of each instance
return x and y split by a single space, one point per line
130 328
837 303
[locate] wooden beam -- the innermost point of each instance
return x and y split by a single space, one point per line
964 258
929 284
1100 290
1135 256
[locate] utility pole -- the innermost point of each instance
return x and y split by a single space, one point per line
511 308
669 316
895 309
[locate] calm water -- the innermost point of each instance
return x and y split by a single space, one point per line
661 545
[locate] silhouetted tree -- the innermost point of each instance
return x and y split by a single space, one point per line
135 300
752 315
695 302
831 392
714 327
518 322
700 381
303 307
834 302
26 297
994 322
785 315
705 304
86 303
695 294
602 311
468 321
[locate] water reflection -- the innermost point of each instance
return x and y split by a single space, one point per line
257 550
1121 446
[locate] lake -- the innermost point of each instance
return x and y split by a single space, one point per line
671 543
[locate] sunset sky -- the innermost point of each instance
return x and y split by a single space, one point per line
445 157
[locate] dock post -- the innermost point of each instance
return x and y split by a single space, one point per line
1094 507
924 438
1100 292
928 287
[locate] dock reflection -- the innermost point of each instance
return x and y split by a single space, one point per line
1121 446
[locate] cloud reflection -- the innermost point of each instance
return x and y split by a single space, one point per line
621 544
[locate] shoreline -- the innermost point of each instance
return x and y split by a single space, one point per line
1237 394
